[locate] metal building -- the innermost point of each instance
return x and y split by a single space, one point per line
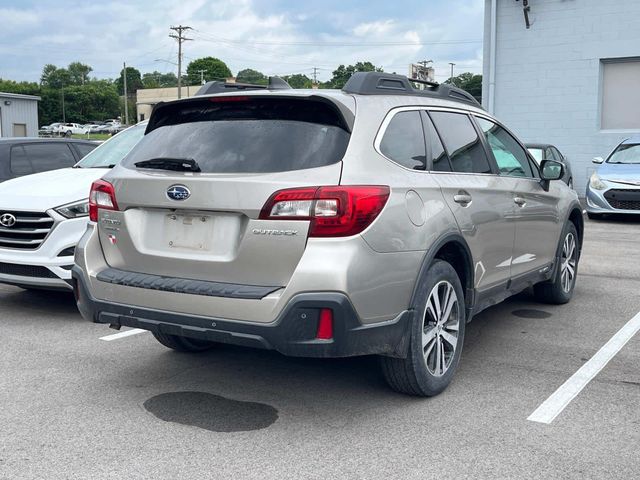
18 115
565 73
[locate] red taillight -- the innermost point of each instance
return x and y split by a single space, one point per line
338 211
325 325
102 196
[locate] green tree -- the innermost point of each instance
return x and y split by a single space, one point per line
213 69
54 77
342 73
134 81
249 75
159 80
79 73
298 80
468 82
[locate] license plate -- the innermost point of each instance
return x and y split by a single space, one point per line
189 232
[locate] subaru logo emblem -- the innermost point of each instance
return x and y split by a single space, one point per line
178 192
7 220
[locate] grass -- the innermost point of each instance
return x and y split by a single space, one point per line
92 136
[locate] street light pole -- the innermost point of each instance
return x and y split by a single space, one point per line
126 100
451 78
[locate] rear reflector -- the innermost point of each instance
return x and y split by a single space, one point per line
325 325
339 211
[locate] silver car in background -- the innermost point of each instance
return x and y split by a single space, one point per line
615 185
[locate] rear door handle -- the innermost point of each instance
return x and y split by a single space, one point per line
521 202
462 198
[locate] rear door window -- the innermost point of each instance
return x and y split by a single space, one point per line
403 141
437 153
461 140
246 135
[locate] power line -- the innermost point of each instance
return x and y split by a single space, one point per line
180 38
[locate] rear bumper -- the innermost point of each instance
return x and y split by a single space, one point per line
292 333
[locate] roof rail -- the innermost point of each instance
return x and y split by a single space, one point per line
209 88
380 83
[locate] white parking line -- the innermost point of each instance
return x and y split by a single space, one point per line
126 333
557 402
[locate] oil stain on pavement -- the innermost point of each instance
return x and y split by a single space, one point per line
211 412
531 313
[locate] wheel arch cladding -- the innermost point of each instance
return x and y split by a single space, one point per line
453 249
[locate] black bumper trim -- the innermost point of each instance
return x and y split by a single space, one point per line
292 333
183 285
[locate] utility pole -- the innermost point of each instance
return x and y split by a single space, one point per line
180 38
201 72
451 78
64 118
126 100
315 75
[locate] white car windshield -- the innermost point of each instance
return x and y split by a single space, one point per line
111 152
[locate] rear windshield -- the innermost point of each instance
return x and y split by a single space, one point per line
246 135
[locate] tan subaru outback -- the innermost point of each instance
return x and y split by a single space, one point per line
376 219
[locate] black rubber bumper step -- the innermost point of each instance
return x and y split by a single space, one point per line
184 285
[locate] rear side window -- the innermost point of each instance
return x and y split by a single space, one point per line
84 148
403 140
20 164
465 150
40 157
245 135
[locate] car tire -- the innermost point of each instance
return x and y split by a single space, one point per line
183 344
68 134
435 339
559 289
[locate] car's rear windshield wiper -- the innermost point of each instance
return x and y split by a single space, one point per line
174 164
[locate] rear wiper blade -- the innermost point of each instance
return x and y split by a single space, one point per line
174 164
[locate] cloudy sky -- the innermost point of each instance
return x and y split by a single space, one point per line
277 37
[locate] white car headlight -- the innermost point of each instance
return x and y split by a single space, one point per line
75 209
596 183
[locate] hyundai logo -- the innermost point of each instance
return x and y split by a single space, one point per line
7 220
178 192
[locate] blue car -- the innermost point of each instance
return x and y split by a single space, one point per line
615 186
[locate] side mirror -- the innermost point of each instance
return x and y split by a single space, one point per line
598 160
551 170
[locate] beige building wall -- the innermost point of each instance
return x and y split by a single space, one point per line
148 97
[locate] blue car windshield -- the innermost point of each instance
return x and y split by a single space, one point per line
111 152
628 153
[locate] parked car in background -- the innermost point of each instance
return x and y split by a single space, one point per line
545 151
615 185
68 129
373 220
21 156
46 213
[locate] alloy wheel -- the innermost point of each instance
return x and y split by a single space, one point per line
441 325
568 263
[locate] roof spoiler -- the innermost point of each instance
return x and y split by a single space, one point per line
209 88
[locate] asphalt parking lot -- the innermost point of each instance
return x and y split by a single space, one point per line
76 406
